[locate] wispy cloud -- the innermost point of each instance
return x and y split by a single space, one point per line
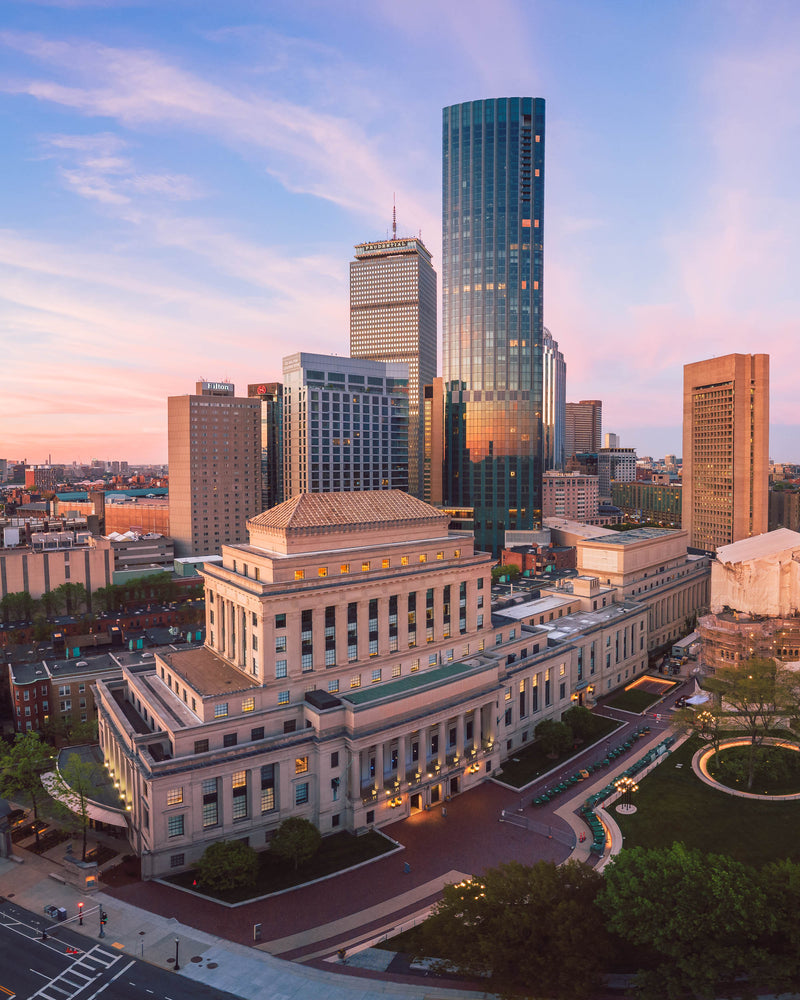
308 151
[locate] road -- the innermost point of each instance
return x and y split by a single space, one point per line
35 969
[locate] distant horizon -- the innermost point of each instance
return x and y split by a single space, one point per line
185 185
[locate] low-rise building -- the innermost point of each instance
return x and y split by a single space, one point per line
354 673
569 494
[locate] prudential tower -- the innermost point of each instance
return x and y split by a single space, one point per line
492 288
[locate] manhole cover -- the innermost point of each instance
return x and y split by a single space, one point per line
196 958
211 965
170 961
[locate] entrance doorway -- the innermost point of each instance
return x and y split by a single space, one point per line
436 794
454 786
415 802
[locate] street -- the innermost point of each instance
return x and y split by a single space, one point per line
34 968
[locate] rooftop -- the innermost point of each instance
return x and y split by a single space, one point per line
565 629
206 672
318 510
634 535
769 544
421 679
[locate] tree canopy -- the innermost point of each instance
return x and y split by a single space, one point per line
296 840
228 864
523 927
73 787
22 765
555 737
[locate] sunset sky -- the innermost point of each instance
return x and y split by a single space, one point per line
184 181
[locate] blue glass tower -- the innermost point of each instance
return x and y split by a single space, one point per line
492 287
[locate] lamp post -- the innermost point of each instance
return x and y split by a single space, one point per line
626 787
80 914
176 967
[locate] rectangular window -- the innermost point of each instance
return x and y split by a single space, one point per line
322 571
176 860
280 643
257 734
239 782
344 568
175 826
283 697
396 670
404 560
267 788
221 710
281 669
376 675
201 746
300 765
280 621
229 740
210 802
355 681
386 563
365 567
174 796
301 793
299 574
249 705
333 687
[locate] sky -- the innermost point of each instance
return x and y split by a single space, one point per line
184 182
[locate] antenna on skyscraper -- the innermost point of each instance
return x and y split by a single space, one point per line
394 216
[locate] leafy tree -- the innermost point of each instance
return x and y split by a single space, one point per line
21 768
668 900
228 864
73 787
524 927
580 721
781 882
761 691
296 840
555 737
502 570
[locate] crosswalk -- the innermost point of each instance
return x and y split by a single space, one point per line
88 966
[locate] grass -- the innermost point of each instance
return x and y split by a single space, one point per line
674 804
530 762
340 851
635 700
777 769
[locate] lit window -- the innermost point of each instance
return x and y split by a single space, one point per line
344 568
386 563
423 557
322 571
299 574
221 710
404 560
457 553
248 705
365 567
174 796
440 555
376 675
300 765
355 681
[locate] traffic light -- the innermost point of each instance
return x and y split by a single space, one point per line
103 917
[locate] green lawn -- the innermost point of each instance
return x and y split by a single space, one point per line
673 804
636 699
528 763
340 851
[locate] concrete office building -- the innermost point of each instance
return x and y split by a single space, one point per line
214 467
615 465
270 396
569 494
345 424
353 675
554 403
492 305
393 318
584 424
725 449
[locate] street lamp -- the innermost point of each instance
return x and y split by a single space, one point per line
626 787
176 967
80 914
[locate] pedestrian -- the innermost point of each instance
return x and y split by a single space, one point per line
444 812
342 953
406 868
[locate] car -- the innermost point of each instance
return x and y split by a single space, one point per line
680 702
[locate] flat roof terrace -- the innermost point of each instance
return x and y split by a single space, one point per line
206 672
414 682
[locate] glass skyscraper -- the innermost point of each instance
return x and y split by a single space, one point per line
492 286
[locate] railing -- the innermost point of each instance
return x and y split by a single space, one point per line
566 837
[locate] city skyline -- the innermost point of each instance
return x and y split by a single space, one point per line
174 177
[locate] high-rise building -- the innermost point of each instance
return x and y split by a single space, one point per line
725 449
615 465
393 318
554 397
345 424
433 442
214 468
270 395
584 423
492 288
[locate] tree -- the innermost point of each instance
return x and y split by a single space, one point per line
666 900
580 721
21 768
760 691
296 840
555 737
524 927
228 864
502 570
73 787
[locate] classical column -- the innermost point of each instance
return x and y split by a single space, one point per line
379 765
401 757
460 727
355 775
